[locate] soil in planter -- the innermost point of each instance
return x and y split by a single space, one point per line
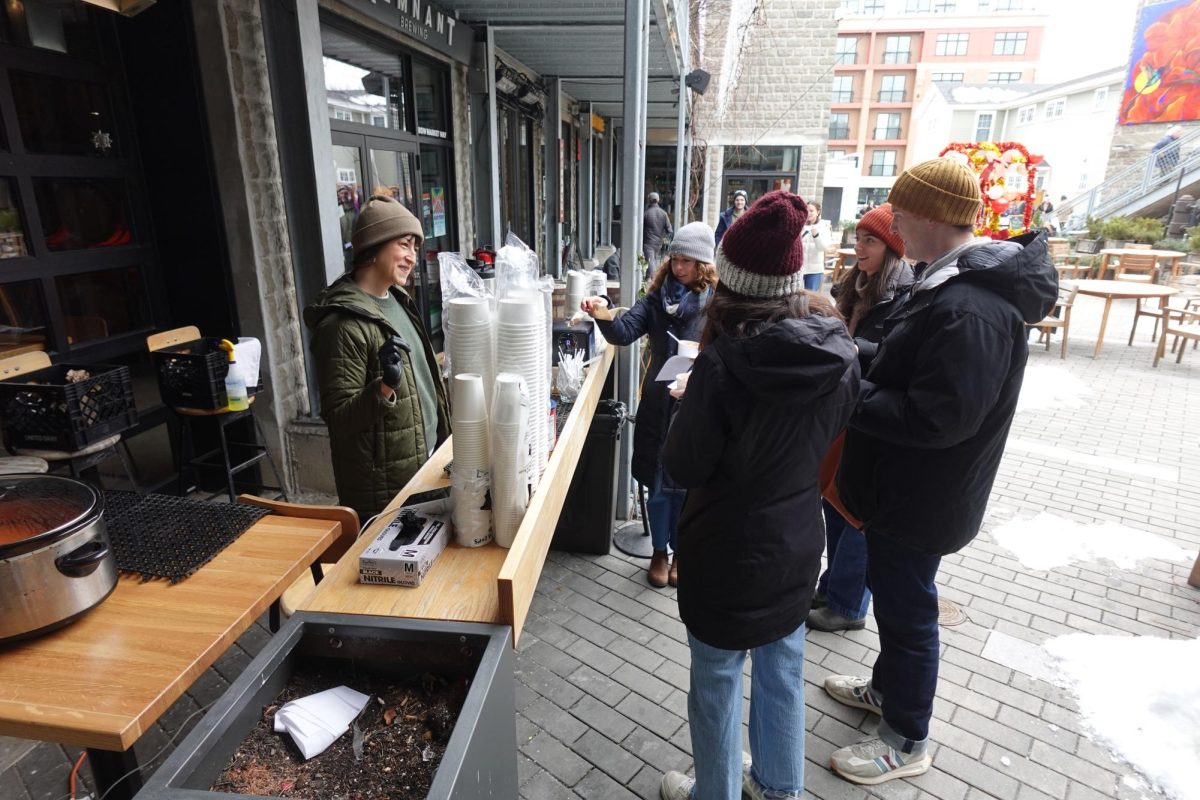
402 736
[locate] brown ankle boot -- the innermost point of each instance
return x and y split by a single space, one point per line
657 574
673 575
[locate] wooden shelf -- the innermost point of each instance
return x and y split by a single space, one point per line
472 584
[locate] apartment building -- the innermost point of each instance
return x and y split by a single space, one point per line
889 54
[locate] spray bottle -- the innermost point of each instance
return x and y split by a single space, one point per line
235 385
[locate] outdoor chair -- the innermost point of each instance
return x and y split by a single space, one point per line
1059 251
1059 318
1183 324
1189 295
303 586
1138 266
1075 266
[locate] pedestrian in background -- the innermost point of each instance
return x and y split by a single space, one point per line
925 442
775 380
729 215
673 306
656 227
872 289
817 237
1166 150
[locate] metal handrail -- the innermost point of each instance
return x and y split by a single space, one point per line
1135 181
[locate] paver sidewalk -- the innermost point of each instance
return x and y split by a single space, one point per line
602 670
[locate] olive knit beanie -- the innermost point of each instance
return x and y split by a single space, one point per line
941 189
382 219
694 240
878 223
761 254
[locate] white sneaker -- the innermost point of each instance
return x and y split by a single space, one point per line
676 786
853 691
873 761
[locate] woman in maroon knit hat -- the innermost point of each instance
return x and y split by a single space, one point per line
776 379
870 291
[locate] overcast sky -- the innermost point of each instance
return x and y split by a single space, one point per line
1084 36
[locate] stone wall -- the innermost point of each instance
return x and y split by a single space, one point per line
770 84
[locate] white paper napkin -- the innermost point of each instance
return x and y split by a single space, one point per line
675 365
316 721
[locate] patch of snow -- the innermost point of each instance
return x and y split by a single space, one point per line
1006 761
1046 386
1139 697
1155 472
1048 541
1009 651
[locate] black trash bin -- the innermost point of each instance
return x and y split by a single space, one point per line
586 522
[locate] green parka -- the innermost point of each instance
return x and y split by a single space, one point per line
376 445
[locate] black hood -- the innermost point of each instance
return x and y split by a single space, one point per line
1017 269
800 359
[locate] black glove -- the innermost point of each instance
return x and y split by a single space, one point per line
391 361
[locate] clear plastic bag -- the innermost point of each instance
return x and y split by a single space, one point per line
570 375
458 280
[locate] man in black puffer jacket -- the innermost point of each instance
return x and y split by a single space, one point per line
925 441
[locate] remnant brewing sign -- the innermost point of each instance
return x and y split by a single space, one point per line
424 22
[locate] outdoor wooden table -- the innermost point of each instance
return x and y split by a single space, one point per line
1173 257
843 253
471 584
1120 290
104 680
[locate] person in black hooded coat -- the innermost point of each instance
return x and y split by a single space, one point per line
774 383
926 439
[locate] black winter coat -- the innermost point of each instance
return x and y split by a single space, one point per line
933 415
648 317
747 441
869 332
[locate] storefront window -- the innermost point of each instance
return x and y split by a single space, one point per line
12 227
436 217
97 305
82 213
22 318
64 27
763 159
60 116
516 173
363 85
347 164
660 175
392 175
430 100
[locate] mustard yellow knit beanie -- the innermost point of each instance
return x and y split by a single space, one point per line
941 189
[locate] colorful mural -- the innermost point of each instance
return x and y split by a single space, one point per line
1163 83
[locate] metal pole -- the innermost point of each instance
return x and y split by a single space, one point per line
493 125
606 185
587 179
636 33
680 182
552 127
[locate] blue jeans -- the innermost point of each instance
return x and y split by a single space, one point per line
776 718
906 610
813 282
844 581
662 511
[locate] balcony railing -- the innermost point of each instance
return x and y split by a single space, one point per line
839 131
887 133
881 170
893 96
842 97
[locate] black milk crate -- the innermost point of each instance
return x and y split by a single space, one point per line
42 410
192 374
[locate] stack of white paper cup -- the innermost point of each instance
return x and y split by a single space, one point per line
578 284
509 456
523 348
598 283
470 339
470 475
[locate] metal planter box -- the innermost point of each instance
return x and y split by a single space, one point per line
481 756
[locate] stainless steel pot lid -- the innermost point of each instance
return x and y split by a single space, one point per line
36 510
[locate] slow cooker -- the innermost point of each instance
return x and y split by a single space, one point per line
56 562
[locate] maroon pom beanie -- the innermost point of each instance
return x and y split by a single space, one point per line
761 254
878 223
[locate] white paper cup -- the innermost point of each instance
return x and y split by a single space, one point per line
468 311
688 348
520 311
508 400
468 397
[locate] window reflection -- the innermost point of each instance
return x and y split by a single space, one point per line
347 165
97 305
63 116
12 228
79 213
430 100
60 25
392 175
365 88
22 318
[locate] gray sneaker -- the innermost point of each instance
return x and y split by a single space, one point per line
676 786
873 761
826 619
855 692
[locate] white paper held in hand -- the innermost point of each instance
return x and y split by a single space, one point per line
674 365
316 721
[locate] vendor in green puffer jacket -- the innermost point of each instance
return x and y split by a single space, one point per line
382 395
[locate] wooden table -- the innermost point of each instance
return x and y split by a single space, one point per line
103 681
471 584
1120 290
843 253
1173 257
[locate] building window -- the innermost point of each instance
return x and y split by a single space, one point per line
833 155
897 50
872 6
983 126
839 125
947 77
891 89
887 126
847 50
1026 114
1055 108
1099 98
952 44
1004 77
918 6
1010 44
944 6
342 114
883 163
843 89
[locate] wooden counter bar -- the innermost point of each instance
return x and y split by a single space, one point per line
472 584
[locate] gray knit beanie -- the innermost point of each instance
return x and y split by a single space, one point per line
694 240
